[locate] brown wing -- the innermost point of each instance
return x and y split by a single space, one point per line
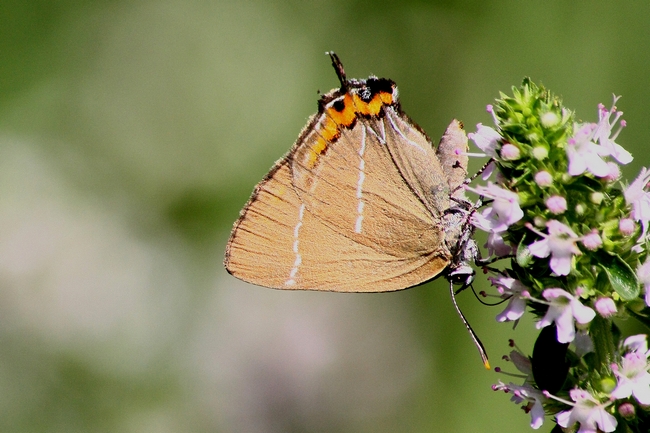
356 205
357 189
417 162
278 242
452 153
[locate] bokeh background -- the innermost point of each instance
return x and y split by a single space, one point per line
132 132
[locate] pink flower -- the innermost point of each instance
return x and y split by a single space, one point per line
637 343
495 243
627 411
543 178
526 394
486 139
505 209
637 196
603 133
614 171
584 154
633 378
556 204
510 152
516 292
497 246
592 240
605 307
564 309
560 243
626 226
587 411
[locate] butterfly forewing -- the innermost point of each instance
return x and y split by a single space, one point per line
356 189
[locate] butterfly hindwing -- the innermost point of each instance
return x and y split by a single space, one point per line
357 189
278 243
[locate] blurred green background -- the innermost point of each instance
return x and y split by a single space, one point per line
131 133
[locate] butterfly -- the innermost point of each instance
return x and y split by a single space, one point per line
362 202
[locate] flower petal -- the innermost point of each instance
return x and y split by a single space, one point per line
582 313
540 248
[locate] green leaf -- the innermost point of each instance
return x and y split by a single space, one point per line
621 277
642 315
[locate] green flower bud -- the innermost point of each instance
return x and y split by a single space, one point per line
540 153
607 384
549 119
596 197
523 257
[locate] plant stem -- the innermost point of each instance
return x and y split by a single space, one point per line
603 338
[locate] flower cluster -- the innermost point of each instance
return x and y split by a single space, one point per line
576 237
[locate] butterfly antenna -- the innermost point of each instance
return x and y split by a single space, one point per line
340 72
480 171
477 342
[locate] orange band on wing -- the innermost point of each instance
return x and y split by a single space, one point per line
347 115
337 117
328 131
373 107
